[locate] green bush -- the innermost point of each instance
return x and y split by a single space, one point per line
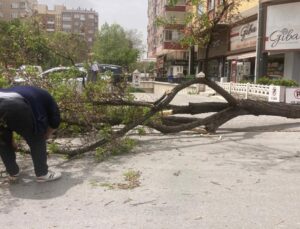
280 82
3 82
246 81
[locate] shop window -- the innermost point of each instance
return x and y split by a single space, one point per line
275 67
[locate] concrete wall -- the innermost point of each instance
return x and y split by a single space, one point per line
162 87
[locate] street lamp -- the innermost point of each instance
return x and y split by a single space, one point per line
200 75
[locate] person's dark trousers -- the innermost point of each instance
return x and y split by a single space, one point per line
16 115
94 76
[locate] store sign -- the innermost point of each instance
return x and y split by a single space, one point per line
292 95
243 36
283 27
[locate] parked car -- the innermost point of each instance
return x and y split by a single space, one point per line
116 72
26 72
77 74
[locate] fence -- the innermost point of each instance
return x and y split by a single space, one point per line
242 89
246 89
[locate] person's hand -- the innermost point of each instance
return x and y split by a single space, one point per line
49 132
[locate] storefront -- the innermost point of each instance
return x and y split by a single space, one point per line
216 55
240 63
282 41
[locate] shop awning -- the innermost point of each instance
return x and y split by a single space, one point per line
242 56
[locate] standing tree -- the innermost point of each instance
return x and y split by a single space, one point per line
67 48
22 42
114 45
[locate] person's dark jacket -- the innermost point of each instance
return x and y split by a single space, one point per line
45 110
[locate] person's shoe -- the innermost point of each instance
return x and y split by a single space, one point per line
13 178
50 176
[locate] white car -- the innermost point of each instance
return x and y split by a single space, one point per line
80 74
25 72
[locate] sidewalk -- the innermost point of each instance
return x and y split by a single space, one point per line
246 176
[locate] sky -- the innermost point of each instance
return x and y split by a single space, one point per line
130 14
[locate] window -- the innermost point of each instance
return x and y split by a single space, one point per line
14 15
66 18
76 15
67 26
200 9
82 17
91 16
211 4
172 35
168 35
15 5
22 5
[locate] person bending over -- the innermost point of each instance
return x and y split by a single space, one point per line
32 113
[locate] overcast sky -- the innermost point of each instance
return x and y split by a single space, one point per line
130 14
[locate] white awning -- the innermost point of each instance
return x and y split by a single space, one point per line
242 56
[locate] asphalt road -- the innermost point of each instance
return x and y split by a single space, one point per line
246 176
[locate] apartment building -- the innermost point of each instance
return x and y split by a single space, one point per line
50 19
12 9
80 21
164 40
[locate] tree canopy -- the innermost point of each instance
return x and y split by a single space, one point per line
114 45
24 42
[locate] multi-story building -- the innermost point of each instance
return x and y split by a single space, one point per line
164 40
12 9
231 53
80 21
279 49
51 19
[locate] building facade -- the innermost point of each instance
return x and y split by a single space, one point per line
12 9
280 23
50 19
80 21
232 51
164 40
264 41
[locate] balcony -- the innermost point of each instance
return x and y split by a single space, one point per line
175 8
173 45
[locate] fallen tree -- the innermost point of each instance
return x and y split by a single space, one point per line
155 116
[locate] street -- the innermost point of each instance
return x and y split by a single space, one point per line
244 176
